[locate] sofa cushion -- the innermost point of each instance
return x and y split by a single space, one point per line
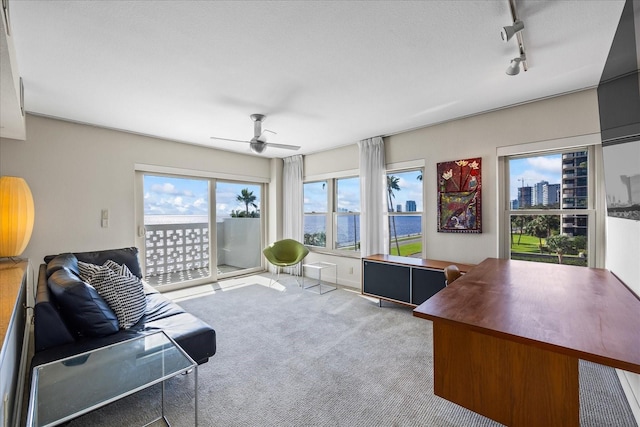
84 311
194 336
57 262
128 256
122 290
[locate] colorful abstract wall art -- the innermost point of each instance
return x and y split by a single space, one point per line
459 196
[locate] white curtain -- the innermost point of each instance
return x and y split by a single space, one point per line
374 235
292 202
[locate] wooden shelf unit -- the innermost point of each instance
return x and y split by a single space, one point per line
13 324
404 280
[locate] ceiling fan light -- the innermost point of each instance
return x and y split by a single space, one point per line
258 147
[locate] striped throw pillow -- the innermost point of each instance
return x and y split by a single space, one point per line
122 290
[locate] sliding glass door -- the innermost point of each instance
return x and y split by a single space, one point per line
238 227
182 233
177 230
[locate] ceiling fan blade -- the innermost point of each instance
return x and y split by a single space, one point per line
233 140
259 141
286 147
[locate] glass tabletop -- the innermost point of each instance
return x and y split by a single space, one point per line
66 388
320 265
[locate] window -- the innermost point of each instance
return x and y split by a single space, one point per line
316 209
332 214
405 207
347 214
551 207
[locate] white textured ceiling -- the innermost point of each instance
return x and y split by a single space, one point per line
326 73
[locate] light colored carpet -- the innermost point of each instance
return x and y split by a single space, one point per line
288 357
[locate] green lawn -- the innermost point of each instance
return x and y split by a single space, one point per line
527 243
406 249
528 250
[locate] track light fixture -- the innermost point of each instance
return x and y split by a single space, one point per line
507 32
514 67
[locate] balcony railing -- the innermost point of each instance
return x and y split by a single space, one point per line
180 252
176 247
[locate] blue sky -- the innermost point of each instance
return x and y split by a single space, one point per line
181 196
410 189
533 170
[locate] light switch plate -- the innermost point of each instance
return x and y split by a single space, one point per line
105 218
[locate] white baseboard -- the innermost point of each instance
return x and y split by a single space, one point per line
350 283
631 394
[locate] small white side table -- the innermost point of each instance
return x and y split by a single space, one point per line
319 266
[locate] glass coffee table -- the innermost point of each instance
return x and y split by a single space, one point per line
67 388
319 266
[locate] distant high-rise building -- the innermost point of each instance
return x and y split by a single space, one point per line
537 196
551 195
410 206
514 204
574 192
399 208
524 197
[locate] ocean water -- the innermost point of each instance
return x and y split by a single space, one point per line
174 219
349 227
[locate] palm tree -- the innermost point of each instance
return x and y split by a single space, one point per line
552 222
392 184
247 198
560 244
522 221
537 228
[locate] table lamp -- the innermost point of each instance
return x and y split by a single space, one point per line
16 216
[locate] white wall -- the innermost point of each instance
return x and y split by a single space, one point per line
623 253
478 136
74 171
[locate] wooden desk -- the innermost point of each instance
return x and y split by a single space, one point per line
507 337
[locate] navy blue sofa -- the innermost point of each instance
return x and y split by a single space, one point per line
60 332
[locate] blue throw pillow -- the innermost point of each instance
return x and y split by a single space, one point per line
83 309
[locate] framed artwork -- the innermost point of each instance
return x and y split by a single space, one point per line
460 196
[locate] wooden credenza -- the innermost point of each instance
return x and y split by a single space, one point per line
404 280
13 277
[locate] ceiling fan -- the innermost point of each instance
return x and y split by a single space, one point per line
259 141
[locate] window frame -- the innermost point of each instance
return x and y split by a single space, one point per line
327 231
594 210
420 213
337 214
331 216
141 169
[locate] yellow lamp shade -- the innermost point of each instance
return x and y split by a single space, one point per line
16 216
